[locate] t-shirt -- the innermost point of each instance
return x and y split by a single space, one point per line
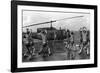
43 37
71 38
84 35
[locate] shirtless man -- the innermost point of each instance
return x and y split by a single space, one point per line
84 37
29 43
45 49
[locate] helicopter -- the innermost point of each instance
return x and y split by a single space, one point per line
52 32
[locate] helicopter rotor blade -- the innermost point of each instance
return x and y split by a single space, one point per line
39 24
52 21
69 18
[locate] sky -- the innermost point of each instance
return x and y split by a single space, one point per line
35 17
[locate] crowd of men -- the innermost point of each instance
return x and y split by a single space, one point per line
84 43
